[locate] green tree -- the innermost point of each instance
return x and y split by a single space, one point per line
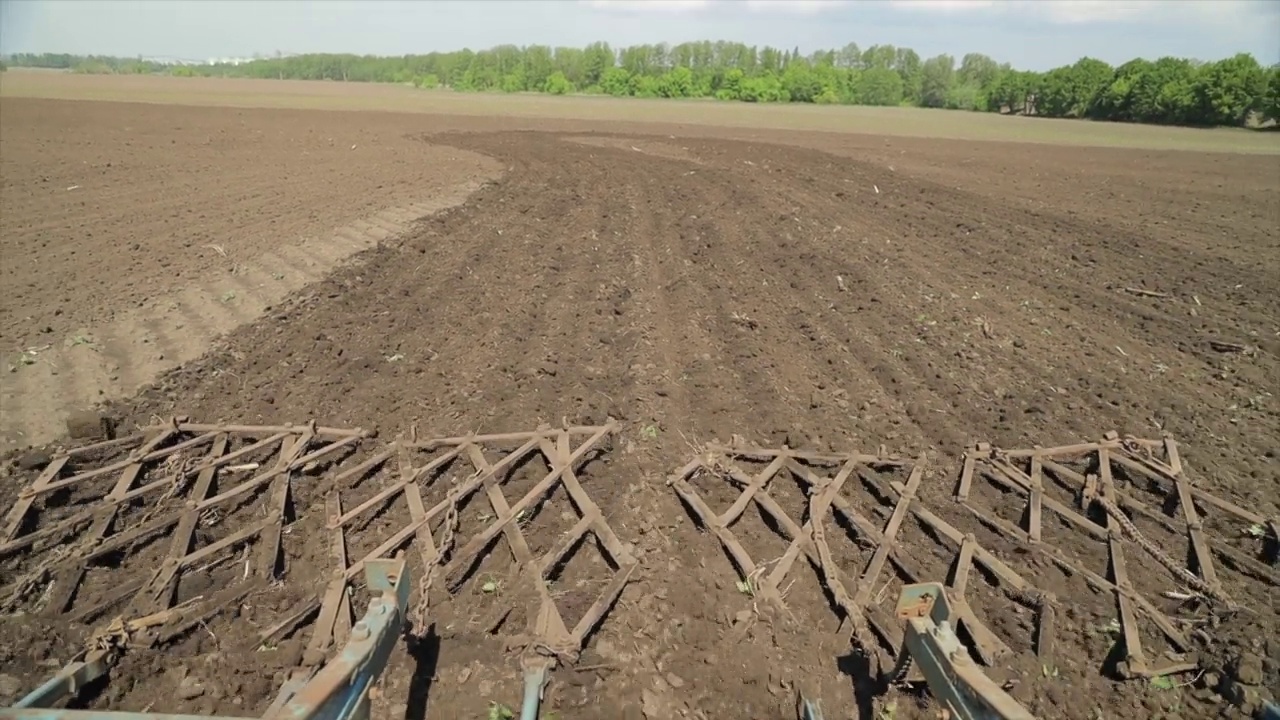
731 85
1271 97
558 84
678 83
763 88
597 58
1116 101
849 57
539 64
1014 92
514 82
1074 90
801 82
1089 79
879 56
937 77
1165 93
1229 90
978 70
909 67
966 96
647 86
1169 90
879 86
616 81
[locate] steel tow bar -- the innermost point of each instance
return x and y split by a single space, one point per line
953 677
339 691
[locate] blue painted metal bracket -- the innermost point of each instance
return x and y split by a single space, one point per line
69 681
954 678
809 709
339 691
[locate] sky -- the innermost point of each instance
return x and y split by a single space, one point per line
1031 34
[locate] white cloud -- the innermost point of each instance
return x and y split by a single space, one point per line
671 6
1221 13
1086 11
943 5
800 7
1076 12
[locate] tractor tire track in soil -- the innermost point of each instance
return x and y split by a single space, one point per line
695 288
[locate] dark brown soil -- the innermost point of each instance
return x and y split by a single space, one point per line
827 292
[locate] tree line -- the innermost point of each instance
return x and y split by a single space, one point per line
1168 90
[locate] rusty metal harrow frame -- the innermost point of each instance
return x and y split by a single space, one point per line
1154 462
557 446
170 469
431 533
874 629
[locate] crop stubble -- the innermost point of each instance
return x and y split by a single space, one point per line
823 291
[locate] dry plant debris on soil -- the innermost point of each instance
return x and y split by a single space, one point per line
818 292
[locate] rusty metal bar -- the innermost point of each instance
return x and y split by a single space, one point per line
394 488
1163 478
418 513
478 543
994 565
547 621
18 513
966 471
336 604
130 440
989 646
319 431
601 606
1137 659
158 593
813 530
141 456
510 437
278 504
1092 579
265 477
1014 479
745 564
1035 500
1195 531
559 456
1044 632
959 580
69 580
806 456
754 485
869 577
333 447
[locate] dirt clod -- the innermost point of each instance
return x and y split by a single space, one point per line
190 688
10 687
1247 669
89 425
34 460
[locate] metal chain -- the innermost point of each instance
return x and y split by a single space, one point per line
902 668
1161 557
447 540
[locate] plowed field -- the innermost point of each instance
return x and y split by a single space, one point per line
823 291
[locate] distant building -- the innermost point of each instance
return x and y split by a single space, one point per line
228 61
